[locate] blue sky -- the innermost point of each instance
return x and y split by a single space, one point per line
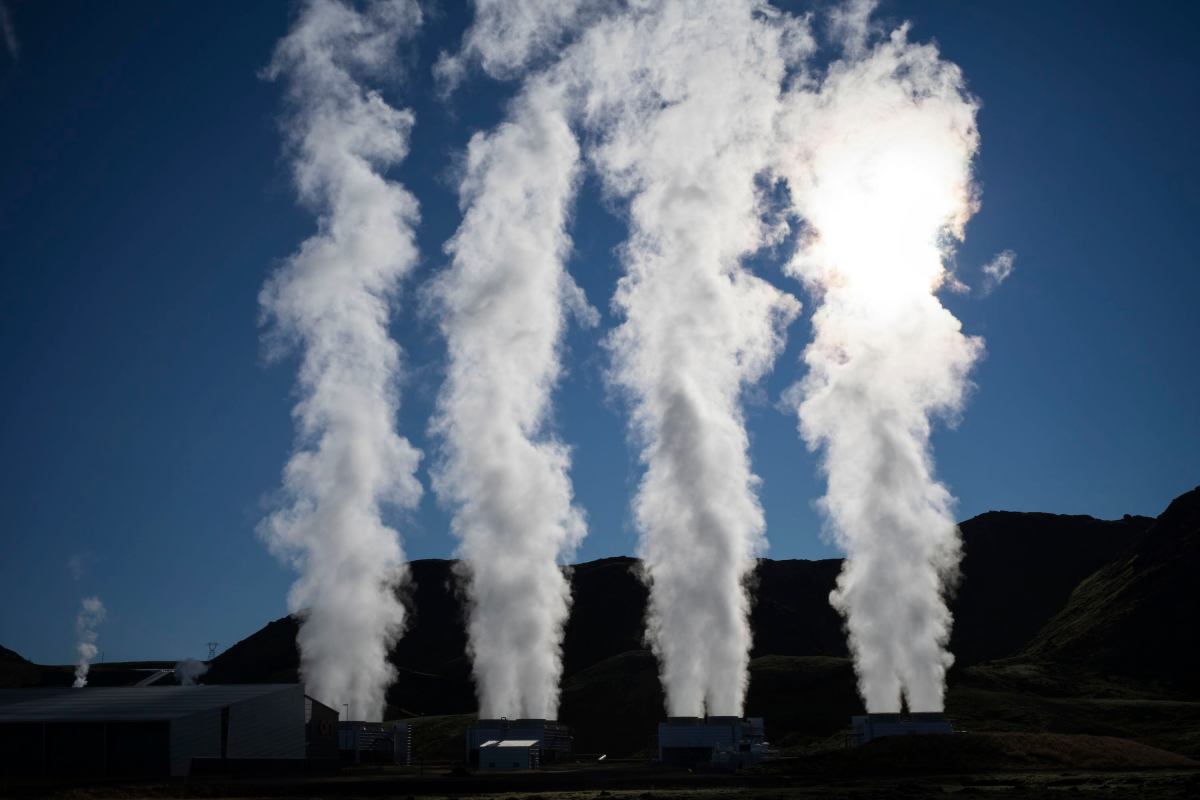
143 200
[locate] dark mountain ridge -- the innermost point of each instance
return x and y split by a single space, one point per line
1056 618
1018 571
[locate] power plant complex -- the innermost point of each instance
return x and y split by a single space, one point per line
177 731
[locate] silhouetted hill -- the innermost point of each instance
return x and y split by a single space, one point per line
11 657
1137 615
607 608
1042 599
791 615
1018 569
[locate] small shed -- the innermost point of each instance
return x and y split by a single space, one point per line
509 754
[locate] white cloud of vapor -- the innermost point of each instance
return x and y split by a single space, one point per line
877 157
681 97
505 35
996 271
332 298
678 98
502 307
189 671
9 32
91 614
680 101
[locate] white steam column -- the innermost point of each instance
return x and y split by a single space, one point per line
878 162
681 98
332 299
502 309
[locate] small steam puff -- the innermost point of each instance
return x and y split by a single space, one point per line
91 614
996 271
189 671
877 158
332 298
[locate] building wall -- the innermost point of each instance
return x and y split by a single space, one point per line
508 757
878 726
123 749
268 726
195 736
674 736
321 730
22 748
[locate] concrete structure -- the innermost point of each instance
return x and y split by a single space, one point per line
509 754
718 741
142 731
876 726
375 742
553 738
320 730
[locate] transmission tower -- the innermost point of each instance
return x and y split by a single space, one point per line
212 650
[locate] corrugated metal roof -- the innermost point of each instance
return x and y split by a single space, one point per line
125 702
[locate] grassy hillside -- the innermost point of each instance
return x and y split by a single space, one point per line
1137 615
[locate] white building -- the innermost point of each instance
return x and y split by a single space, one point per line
146 731
509 754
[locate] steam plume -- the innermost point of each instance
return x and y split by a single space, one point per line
878 162
91 614
682 97
189 671
502 303
679 99
9 33
332 299
506 35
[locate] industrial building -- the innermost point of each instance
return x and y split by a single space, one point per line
375 742
716 741
147 731
866 727
553 739
509 754
320 731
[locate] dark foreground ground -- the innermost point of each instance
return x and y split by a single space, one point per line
966 765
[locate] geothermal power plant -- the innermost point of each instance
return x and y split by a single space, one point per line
169 730
711 127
